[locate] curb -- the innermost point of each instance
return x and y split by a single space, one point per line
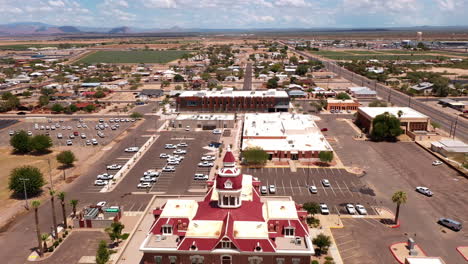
464 174
396 226
393 253
459 251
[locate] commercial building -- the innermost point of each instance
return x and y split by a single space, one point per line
414 124
424 87
362 93
342 105
460 106
204 121
231 224
284 136
454 149
97 216
229 100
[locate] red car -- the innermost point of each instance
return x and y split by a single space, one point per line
324 129
76 133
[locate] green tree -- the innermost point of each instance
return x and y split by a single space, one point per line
323 242
136 115
276 67
74 204
54 216
255 156
293 60
21 142
435 124
61 197
178 78
378 103
35 205
311 207
7 95
41 143
34 181
90 108
302 70
57 108
342 96
326 156
44 100
99 94
66 158
399 198
44 238
102 254
385 127
273 82
115 231
73 108
205 76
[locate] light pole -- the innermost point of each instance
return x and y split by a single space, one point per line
25 193
50 176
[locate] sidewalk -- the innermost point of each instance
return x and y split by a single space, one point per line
333 249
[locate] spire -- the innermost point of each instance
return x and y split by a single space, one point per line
229 160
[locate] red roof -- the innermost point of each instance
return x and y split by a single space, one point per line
229 157
236 182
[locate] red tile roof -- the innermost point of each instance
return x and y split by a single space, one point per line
229 157
236 182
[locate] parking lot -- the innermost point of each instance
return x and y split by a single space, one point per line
344 186
70 129
182 180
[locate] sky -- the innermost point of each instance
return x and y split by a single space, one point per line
236 13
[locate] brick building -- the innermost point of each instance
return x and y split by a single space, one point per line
229 100
230 225
284 136
345 105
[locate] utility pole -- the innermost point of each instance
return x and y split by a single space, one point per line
455 127
50 175
25 193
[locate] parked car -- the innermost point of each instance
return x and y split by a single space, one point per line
100 182
71 136
29 133
11 132
173 162
437 163
148 179
326 183
214 144
168 168
313 189
450 223
88 142
350 209
101 203
361 209
180 151
151 173
170 146
272 188
263 189
324 209
132 149
69 143
208 158
101 120
105 176
201 176
114 167
424 190
144 185
59 135
182 145
163 156
94 141
217 131
205 164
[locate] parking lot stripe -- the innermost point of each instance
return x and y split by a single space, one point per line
348 189
332 190
357 190
340 188
292 189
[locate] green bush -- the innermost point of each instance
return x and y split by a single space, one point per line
21 142
41 143
314 262
34 181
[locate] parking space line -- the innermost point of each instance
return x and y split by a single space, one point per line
337 211
292 189
340 188
332 190
348 189
369 222
357 191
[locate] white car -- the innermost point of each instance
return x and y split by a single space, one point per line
100 182
201 176
208 158
144 185
350 209
59 135
29 133
102 203
69 143
12 132
182 145
424 190
132 149
180 151
69 127
168 169
88 142
105 176
263 190
94 141
114 167
163 156
272 188
361 209
324 209
313 189
205 164
170 146
326 183
437 163
217 131
148 179
151 173
173 162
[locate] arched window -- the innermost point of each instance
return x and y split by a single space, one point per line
225 259
228 185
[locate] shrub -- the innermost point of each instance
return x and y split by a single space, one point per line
21 142
34 181
41 143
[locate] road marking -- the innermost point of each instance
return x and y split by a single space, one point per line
336 208
139 208
344 243
331 189
131 207
348 189
340 188
290 183
365 220
349 249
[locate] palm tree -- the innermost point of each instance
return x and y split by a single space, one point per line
74 203
35 205
400 113
399 198
54 217
61 196
115 231
44 238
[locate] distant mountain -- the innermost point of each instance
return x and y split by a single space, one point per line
69 29
35 28
120 30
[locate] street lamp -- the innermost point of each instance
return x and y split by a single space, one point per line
25 193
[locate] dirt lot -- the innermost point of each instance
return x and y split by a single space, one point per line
455 72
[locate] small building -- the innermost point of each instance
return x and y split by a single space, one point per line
61 96
97 216
297 94
424 87
90 85
424 260
204 121
321 92
451 148
362 92
152 93
460 106
345 105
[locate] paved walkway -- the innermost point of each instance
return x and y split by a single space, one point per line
333 250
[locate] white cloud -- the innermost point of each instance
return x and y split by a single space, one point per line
57 3
292 3
264 18
377 6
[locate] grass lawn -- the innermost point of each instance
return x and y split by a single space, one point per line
8 162
142 56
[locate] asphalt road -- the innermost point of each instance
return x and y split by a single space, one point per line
403 166
248 77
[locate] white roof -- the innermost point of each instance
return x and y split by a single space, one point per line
229 92
205 117
407 112
348 101
180 208
280 210
424 260
250 229
285 131
204 228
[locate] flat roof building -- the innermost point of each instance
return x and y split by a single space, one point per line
362 92
230 100
204 121
345 105
285 136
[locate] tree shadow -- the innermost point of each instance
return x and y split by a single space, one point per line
65 166
20 196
